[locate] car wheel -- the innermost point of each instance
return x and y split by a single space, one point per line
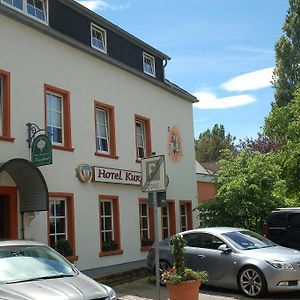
163 265
252 282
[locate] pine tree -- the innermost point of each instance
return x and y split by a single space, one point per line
287 70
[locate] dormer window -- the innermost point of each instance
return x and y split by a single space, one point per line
149 64
98 38
36 9
15 3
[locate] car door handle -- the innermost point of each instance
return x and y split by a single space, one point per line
201 256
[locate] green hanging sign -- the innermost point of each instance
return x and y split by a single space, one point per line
41 150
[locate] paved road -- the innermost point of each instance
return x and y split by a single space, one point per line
145 289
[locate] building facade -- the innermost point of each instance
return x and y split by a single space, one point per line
102 97
206 188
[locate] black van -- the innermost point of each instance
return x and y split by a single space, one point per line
283 227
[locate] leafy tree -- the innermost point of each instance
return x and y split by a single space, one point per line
283 124
210 143
287 70
248 189
262 144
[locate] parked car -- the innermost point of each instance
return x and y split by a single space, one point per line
236 258
31 270
283 227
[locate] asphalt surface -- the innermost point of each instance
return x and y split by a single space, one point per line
145 289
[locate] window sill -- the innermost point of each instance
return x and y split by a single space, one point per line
7 139
72 258
63 148
109 253
106 155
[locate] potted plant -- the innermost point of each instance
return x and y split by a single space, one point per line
146 242
110 245
182 283
64 247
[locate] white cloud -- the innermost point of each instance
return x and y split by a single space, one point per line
249 81
209 100
96 5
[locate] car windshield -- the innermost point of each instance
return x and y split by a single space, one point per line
25 263
246 240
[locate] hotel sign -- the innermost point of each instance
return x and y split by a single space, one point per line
110 175
41 150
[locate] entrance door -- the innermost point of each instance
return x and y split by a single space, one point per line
4 217
8 213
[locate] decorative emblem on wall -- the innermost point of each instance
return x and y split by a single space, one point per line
84 173
174 144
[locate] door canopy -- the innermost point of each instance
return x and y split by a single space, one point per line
31 184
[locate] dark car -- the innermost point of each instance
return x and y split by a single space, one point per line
283 227
236 258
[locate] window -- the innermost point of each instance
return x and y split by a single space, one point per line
58 221
5 107
55 117
146 224
61 220
186 222
105 130
168 219
58 121
203 240
149 64
143 137
36 9
15 3
98 38
109 225
165 222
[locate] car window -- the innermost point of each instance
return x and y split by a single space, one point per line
246 240
24 263
203 240
294 220
192 240
277 220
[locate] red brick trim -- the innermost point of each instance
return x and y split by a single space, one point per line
6 115
151 224
147 123
188 204
11 192
112 131
116 224
71 220
67 146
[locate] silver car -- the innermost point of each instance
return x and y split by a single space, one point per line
236 258
31 270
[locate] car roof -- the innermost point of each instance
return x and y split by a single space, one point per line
19 243
214 230
286 209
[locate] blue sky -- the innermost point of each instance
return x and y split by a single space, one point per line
222 52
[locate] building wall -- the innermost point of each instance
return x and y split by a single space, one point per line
34 59
206 191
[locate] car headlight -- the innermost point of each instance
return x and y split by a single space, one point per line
112 294
281 265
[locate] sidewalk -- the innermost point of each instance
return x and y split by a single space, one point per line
144 289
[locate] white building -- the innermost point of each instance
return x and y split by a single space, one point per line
102 94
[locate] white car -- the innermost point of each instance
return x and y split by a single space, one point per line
31 270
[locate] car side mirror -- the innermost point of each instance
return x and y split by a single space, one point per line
224 248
